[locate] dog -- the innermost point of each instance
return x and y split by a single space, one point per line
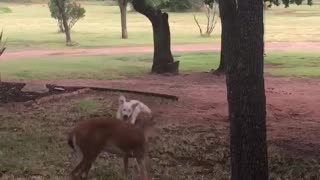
129 110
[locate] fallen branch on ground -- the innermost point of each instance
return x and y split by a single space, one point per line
53 87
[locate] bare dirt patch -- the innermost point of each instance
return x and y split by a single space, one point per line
189 140
302 46
293 116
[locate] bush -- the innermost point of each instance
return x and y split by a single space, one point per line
4 10
74 12
179 6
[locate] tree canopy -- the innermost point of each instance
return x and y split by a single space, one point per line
73 11
287 2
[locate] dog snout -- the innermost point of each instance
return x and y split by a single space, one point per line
125 116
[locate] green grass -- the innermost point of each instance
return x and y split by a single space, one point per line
86 106
33 146
294 64
300 64
30 26
68 67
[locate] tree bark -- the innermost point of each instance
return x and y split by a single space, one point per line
60 25
123 11
2 47
61 7
163 61
66 28
246 93
227 28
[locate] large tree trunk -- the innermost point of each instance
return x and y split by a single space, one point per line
246 93
123 11
163 61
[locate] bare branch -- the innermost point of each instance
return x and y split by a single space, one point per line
195 19
208 17
214 18
3 47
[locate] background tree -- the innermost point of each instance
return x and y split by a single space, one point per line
211 15
245 88
163 61
67 13
287 2
246 93
178 5
226 27
2 45
123 12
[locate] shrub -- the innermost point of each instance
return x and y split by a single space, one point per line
73 10
4 10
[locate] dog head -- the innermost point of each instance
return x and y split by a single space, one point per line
126 109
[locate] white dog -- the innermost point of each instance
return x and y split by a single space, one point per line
131 109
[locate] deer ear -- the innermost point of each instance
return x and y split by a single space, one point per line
122 100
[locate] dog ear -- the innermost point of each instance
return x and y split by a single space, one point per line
122 100
134 105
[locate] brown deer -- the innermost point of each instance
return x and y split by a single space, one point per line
91 137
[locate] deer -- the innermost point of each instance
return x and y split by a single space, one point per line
91 137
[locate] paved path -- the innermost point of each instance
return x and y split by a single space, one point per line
288 46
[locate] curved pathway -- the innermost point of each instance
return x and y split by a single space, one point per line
285 46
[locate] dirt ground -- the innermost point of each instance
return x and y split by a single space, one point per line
278 46
190 138
293 116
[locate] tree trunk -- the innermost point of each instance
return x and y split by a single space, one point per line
66 29
2 47
123 11
64 22
227 28
163 61
222 65
60 25
246 93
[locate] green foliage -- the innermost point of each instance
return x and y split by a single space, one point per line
4 10
210 2
172 5
73 12
300 64
179 6
287 2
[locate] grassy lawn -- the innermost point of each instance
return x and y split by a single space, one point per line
30 26
114 67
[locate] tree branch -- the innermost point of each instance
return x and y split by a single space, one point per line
195 19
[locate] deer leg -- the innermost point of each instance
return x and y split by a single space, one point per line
126 168
75 171
88 158
136 166
87 166
142 167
